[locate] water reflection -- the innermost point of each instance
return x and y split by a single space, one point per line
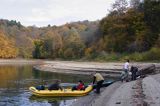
54 101
25 76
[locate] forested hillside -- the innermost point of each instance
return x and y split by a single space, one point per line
7 47
130 30
67 41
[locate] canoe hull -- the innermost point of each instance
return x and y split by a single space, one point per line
105 84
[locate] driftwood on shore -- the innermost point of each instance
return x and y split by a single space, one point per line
147 69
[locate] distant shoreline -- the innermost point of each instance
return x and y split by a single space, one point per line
19 61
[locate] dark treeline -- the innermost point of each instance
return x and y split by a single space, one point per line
130 30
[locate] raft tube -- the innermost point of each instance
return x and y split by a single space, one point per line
60 93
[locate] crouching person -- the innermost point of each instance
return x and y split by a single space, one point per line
40 87
55 86
97 77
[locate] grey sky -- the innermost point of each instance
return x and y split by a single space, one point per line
53 12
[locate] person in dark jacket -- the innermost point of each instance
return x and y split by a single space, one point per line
40 87
134 71
55 86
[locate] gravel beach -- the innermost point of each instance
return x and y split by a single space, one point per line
142 92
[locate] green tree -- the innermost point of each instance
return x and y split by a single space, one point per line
120 6
152 17
151 14
135 4
126 33
52 44
75 43
38 51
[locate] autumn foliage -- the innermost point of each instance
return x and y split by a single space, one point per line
7 48
128 31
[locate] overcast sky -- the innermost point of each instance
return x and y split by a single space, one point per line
53 12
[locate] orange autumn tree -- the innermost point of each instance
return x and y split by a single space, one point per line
7 48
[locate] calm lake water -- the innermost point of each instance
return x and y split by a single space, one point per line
16 79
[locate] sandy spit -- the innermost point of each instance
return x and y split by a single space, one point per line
110 69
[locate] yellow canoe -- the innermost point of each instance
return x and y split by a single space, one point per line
64 92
